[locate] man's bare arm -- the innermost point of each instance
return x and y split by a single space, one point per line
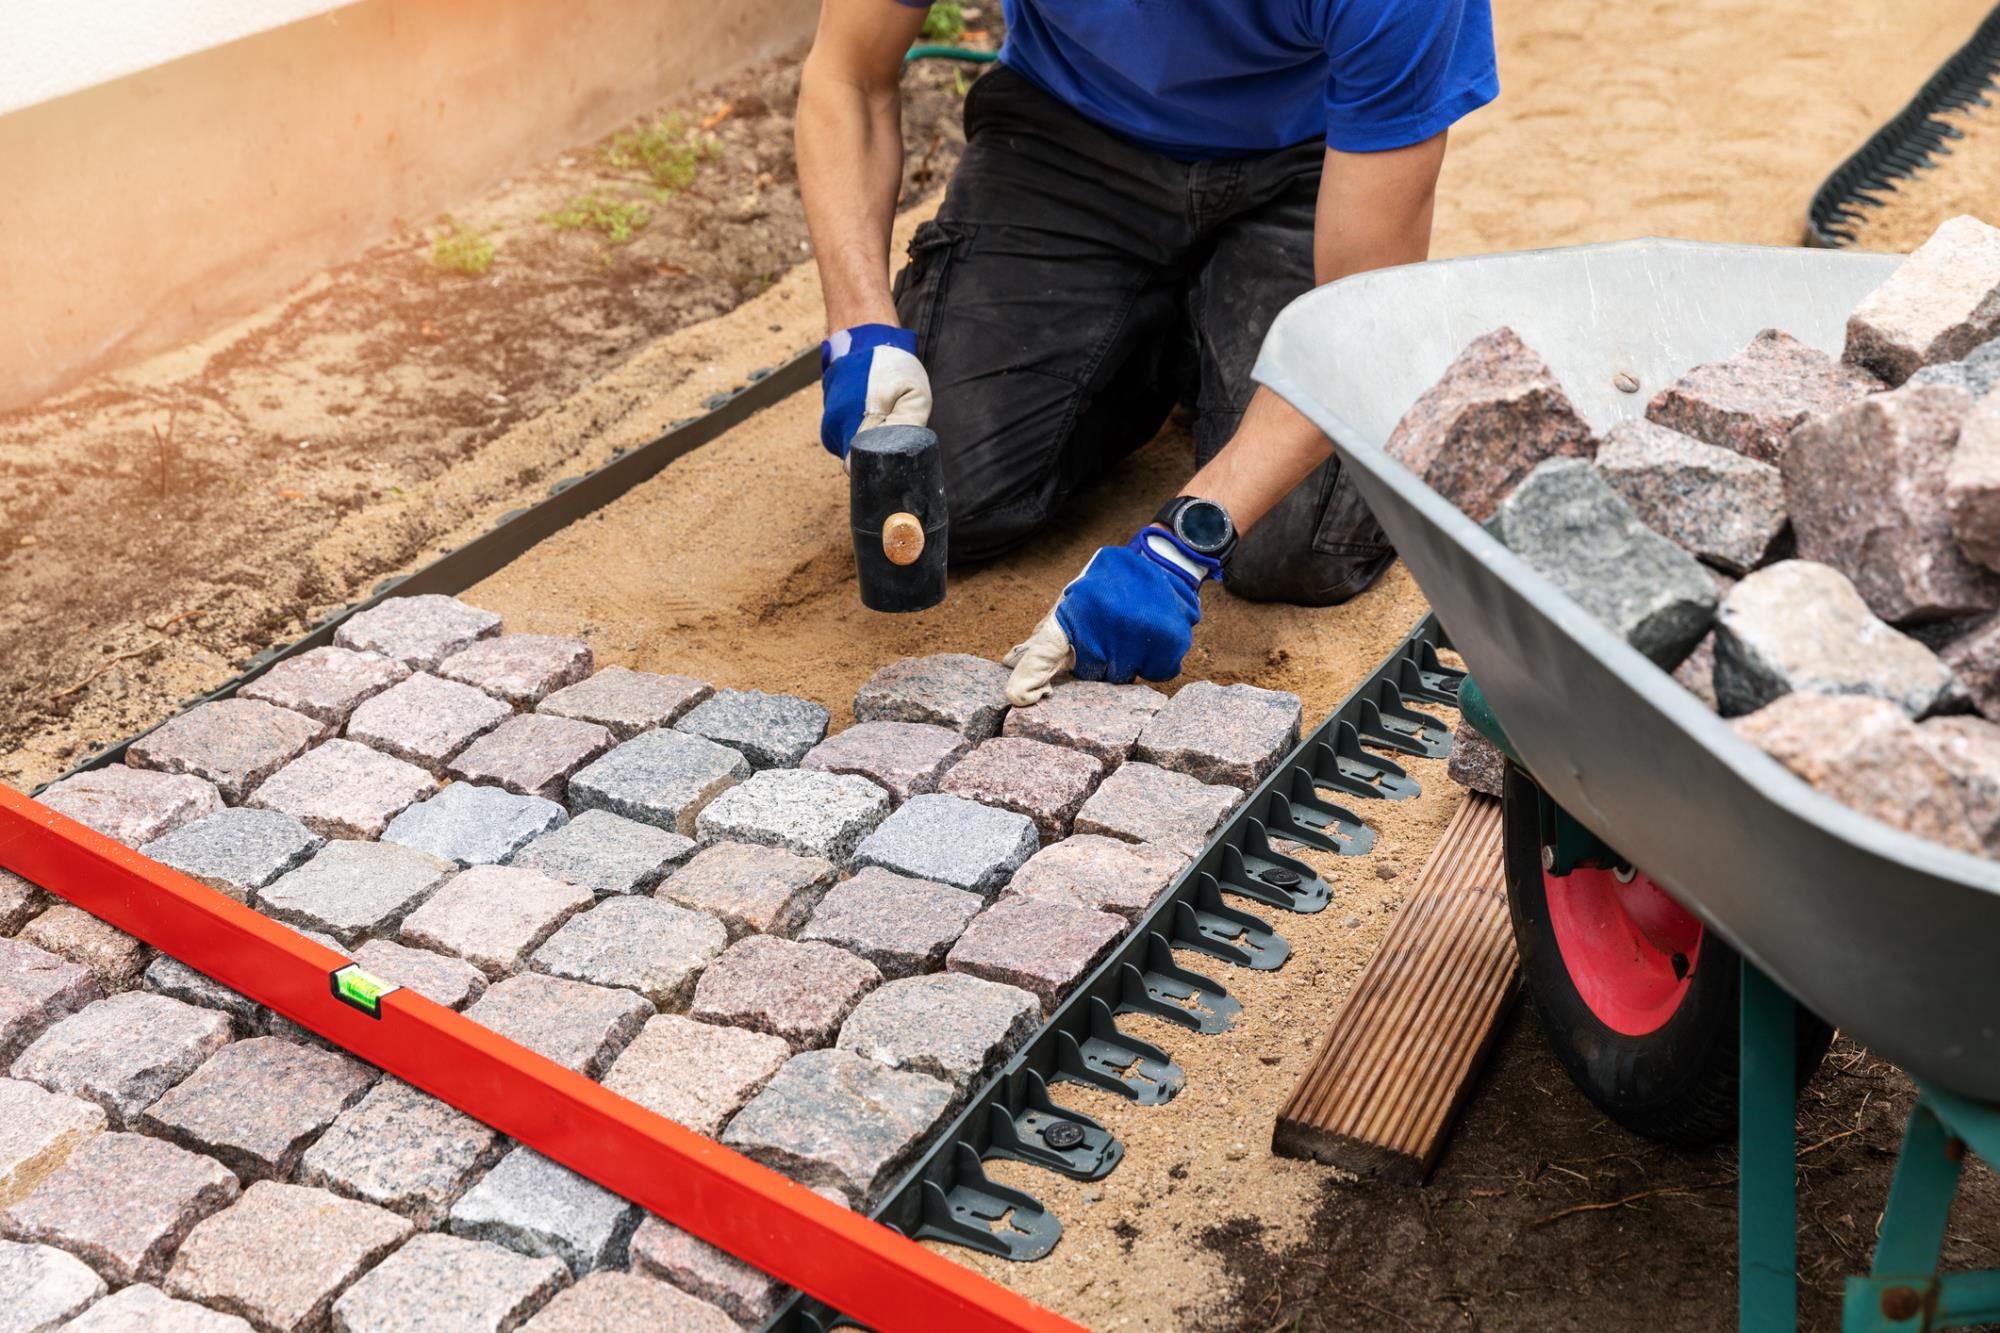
1374 211
849 139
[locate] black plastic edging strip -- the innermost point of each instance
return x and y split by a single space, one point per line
946 1196
569 500
1909 141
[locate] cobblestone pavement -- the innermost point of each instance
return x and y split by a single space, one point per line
809 948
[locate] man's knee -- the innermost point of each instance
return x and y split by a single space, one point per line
989 531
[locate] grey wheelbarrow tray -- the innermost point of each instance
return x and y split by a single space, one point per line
1893 939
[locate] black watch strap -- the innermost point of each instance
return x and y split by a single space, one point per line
1201 525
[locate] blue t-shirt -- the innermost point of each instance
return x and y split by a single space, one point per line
1225 78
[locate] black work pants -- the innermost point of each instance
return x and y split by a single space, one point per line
1074 287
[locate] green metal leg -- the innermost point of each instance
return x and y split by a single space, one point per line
1767 1216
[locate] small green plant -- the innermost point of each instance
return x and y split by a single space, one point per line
667 151
945 22
618 219
461 249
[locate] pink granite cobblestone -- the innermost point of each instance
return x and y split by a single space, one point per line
522 669
233 743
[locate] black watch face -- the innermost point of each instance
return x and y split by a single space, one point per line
1204 525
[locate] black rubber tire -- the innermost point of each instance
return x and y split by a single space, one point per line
1677 1084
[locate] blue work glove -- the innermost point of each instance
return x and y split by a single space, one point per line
869 376
1132 612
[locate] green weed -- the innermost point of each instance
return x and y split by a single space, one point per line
667 151
461 249
945 22
618 219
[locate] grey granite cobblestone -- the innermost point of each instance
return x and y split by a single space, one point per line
448 1283
1232 735
606 853
169 976
662 778
654 947
40 1286
1143 802
951 840
956 690
534 1206
769 730
1096 717
814 814
451 982
39 1131
354 889
475 825
622 1300
237 851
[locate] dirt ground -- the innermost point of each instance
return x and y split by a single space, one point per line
1704 118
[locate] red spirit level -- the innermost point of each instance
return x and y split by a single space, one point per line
855 1265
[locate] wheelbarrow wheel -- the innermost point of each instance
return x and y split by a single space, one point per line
1637 998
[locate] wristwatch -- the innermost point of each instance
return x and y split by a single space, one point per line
1203 526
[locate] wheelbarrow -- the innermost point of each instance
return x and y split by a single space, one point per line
1691 916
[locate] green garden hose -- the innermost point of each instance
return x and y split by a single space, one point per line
951 53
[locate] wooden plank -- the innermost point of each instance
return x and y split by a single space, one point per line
1392 1072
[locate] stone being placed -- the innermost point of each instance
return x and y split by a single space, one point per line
662 778
834 1119
1228 734
1042 946
40 1286
123 1051
419 632
531 1205
1143 802
255 1105
814 814
749 888
1969 749
1047 783
798 991
1749 403
905 759
233 743
902 925
39 1131
1577 532
475 825
1099 873
123 1203
447 1282
281 1254
769 730
1976 374
621 1300
1094 716
1477 432
494 916
1724 507
956 690
952 1026
169 976
1801 627
644 944
1867 491
1695 674
532 754
1972 485
344 790
1477 762
696 1074
404 1150
950 840
75 934
134 806
522 669
426 721
355 889
145 1309
606 853
1939 304
1868 755
37 989
325 684
579 1026
20 902
236 852
451 982
627 702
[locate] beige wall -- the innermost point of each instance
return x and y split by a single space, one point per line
140 212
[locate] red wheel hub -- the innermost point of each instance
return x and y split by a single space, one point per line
1630 949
